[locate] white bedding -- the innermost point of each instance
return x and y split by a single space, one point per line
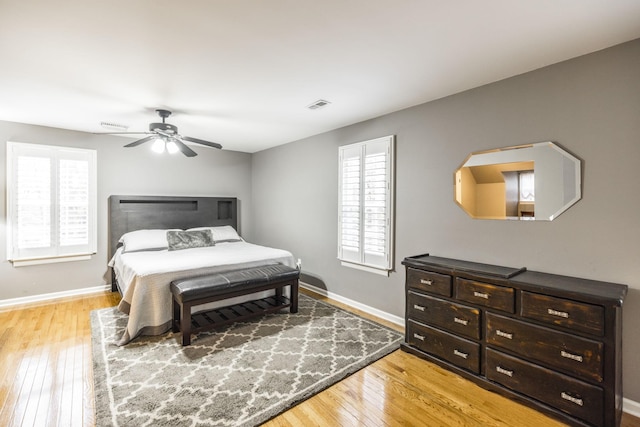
144 278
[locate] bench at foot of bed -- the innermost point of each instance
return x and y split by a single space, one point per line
188 293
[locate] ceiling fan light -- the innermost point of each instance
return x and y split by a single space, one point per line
158 146
172 147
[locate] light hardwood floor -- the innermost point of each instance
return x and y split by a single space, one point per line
46 374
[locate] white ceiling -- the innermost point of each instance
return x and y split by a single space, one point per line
242 72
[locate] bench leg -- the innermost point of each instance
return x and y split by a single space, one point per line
279 294
294 297
176 316
185 324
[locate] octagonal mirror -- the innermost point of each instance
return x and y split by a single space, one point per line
527 182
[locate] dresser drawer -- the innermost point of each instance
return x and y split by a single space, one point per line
448 315
578 356
428 281
563 312
577 398
453 349
493 296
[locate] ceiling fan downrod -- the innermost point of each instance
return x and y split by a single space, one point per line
163 127
163 113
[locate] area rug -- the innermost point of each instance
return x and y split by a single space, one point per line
240 375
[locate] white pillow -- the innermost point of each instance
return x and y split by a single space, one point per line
225 233
144 240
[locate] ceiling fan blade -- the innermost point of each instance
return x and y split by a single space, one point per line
141 141
202 142
185 150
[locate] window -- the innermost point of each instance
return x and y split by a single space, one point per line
51 193
527 186
365 206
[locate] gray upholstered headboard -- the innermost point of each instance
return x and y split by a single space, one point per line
130 213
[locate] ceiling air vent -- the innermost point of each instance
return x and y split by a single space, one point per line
114 126
318 104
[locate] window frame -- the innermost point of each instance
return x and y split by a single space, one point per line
55 252
359 258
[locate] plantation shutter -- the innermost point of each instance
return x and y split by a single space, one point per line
73 201
350 212
365 203
33 214
52 201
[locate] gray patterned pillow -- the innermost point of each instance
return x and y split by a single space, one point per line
189 239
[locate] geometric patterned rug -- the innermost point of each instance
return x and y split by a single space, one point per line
239 375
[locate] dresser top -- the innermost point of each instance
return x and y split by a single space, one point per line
533 281
614 292
456 265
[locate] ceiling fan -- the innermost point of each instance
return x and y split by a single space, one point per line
166 137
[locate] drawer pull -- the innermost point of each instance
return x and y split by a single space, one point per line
419 307
506 335
460 354
503 371
557 313
571 356
420 337
576 400
461 321
426 282
480 295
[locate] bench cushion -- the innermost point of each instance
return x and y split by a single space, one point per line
195 288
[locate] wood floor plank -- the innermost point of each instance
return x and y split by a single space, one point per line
11 361
7 368
39 386
344 402
453 401
56 369
376 394
363 401
46 379
64 410
25 378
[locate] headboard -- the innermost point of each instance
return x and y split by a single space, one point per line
130 213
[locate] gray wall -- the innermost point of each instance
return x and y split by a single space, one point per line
589 105
133 171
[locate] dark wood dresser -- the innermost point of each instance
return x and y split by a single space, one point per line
551 342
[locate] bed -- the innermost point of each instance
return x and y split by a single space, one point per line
143 267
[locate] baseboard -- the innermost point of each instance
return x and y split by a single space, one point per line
631 407
34 299
355 304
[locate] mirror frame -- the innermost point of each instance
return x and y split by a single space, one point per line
558 177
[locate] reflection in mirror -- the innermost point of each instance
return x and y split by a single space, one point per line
528 182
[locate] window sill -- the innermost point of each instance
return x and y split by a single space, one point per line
362 267
38 261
